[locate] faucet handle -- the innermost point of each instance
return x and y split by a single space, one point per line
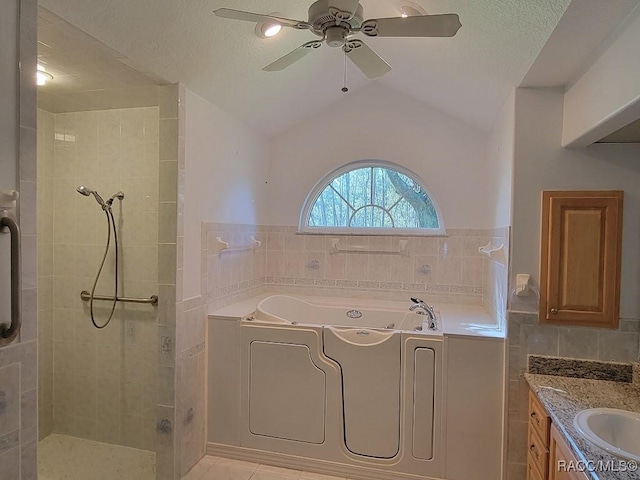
416 300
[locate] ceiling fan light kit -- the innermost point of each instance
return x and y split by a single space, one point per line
336 22
266 30
269 28
410 9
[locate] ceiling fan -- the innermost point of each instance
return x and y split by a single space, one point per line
336 22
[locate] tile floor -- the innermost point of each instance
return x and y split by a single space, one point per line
215 468
61 457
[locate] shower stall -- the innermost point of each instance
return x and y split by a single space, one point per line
98 383
102 377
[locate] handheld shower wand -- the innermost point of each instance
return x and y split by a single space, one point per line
106 207
86 191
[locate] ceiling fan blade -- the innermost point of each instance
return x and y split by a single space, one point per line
257 17
446 25
368 61
293 56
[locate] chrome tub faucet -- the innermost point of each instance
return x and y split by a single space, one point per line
423 308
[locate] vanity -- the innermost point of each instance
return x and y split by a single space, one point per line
560 389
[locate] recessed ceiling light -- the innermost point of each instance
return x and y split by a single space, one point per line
42 76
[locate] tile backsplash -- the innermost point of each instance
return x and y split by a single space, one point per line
528 337
446 269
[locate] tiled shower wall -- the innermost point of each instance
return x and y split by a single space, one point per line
45 273
438 269
104 381
527 336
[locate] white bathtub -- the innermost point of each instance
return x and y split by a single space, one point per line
285 309
343 388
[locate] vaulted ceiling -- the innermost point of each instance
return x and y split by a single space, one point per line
467 76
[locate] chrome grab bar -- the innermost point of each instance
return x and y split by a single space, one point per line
86 296
8 334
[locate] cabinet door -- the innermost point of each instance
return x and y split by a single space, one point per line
533 473
562 463
580 258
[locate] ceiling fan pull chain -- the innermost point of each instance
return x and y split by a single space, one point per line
345 89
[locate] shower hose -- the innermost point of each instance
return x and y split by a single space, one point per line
110 222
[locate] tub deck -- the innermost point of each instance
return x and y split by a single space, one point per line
467 320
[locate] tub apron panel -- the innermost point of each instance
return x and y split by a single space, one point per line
286 393
371 381
423 402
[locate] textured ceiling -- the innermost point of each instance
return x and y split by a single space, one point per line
78 62
467 76
87 75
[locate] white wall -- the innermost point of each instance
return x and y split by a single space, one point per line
380 123
500 149
226 165
607 96
541 163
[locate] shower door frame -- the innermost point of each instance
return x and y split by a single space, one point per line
18 360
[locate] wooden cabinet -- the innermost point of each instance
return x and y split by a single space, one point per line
580 258
562 463
537 440
548 457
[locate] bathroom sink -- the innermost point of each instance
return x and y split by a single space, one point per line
616 431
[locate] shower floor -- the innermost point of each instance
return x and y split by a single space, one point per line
61 457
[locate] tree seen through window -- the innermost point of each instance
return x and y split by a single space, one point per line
373 197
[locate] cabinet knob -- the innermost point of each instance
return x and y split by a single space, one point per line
534 451
534 417
554 311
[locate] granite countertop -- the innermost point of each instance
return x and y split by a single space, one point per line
561 387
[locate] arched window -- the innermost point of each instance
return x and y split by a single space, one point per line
371 197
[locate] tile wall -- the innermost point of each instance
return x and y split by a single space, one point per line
438 269
446 269
45 272
167 289
104 381
181 409
229 277
18 361
191 395
527 336
495 279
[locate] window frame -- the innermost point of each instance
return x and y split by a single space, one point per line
323 183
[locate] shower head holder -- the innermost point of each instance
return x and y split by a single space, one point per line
86 191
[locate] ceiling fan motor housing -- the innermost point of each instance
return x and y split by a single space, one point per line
322 17
335 36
